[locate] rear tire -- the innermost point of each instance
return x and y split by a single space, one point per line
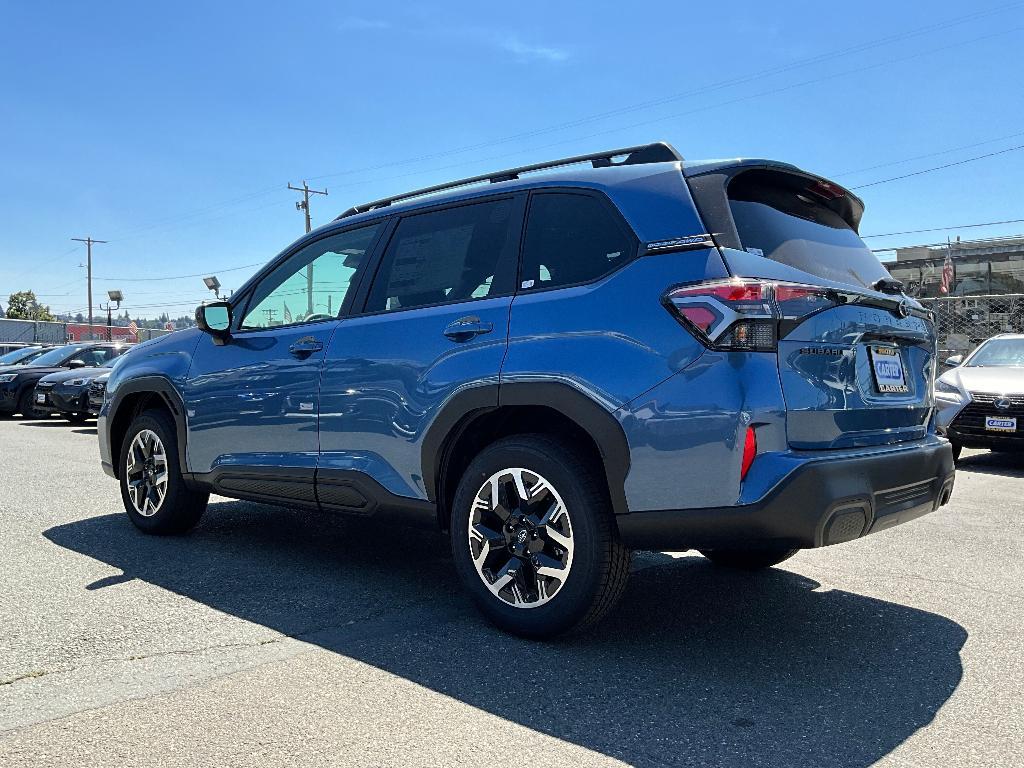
547 563
152 487
76 418
748 559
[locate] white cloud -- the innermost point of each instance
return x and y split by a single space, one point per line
536 52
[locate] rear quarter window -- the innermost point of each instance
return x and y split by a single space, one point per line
780 216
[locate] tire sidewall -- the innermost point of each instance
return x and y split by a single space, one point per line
164 518
573 600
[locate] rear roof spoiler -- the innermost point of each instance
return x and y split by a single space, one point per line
658 152
706 179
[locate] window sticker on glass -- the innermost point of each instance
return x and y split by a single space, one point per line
755 251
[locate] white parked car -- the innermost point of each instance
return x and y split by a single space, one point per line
980 401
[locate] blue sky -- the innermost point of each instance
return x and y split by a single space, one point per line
172 130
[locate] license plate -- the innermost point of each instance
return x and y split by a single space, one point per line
887 366
1001 423
40 398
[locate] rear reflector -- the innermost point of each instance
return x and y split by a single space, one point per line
749 452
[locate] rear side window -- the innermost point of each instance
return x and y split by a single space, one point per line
455 254
571 238
780 216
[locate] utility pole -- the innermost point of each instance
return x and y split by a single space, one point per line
88 249
304 207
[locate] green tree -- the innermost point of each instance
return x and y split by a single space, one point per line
23 305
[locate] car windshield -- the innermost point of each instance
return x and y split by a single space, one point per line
58 355
1002 353
20 355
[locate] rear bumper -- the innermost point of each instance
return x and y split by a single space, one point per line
823 501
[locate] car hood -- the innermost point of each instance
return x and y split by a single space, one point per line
999 381
30 370
77 373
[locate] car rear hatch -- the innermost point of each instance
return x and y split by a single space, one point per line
855 354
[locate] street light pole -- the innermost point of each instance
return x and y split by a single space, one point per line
88 249
115 297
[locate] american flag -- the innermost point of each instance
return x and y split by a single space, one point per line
947 275
133 328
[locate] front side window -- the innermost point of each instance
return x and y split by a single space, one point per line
571 239
59 356
95 357
455 254
312 284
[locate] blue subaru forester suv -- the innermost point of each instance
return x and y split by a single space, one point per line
557 364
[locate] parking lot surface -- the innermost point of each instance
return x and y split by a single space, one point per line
274 637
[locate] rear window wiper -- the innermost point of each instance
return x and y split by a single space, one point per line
888 285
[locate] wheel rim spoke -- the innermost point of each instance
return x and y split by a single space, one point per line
520 537
146 473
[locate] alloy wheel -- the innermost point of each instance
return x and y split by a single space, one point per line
520 537
146 473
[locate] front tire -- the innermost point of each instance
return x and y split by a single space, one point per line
748 559
957 450
152 487
26 407
534 539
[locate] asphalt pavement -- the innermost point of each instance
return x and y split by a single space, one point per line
274 637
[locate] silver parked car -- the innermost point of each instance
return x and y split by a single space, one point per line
980 401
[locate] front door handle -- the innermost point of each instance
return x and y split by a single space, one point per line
466 328
305 346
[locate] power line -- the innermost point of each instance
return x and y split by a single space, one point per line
946 243
944 229
719 85
181 277
939 167
926 156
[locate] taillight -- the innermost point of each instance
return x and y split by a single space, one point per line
745 314
749 452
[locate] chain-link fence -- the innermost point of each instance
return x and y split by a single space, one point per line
963 322
38 332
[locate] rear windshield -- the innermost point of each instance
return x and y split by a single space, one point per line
780 216
17 355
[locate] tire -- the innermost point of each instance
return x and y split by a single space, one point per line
957 450
26 408
748 559
76 418
178 509
579 538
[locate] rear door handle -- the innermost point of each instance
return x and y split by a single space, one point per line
305 346
466 328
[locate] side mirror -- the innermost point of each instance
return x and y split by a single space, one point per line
214 318
76 364
953 360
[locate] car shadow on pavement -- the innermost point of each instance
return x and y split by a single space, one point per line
698 665
1007 463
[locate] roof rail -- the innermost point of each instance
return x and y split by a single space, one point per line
658 152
